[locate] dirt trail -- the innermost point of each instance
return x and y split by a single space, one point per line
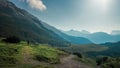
69 62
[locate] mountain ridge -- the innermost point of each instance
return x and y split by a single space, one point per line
72 39
97 37
18 22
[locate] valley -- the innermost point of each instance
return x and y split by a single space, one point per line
26 41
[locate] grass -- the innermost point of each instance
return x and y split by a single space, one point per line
22 55
8 53
87 61
47 54
43 66
83 49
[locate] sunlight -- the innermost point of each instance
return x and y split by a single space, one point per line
103 5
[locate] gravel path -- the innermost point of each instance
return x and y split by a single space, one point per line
69 62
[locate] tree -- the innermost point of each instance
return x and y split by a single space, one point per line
101 60
12 39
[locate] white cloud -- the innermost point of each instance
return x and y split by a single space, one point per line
36 4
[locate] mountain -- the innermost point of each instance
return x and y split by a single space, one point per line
72 39
18 22
102 37
98 37
115 32
77 33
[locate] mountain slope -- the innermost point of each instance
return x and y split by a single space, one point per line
112 51
17 22
72 39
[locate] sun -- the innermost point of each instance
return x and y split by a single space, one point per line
102 2
103 5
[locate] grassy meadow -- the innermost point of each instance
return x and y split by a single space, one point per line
23 55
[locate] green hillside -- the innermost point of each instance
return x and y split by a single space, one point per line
22 55
105 55
112 51
111 63
84 48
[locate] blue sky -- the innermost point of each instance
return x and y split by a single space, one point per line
91 15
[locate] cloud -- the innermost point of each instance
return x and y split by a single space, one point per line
36 4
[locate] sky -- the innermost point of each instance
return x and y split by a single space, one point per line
90 15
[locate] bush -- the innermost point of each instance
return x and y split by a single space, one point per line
111 63
42 58
12 39
7 60
78 54
101 60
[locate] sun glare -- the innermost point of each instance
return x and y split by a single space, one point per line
101 4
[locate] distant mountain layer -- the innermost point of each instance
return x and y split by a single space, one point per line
73 32
98 37
18 22
72 39
115 32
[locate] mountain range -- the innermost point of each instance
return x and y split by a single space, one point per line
115 32
97 37
18 22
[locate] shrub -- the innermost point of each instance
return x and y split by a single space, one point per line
101 60
7 60
12 39
78 54
42 58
